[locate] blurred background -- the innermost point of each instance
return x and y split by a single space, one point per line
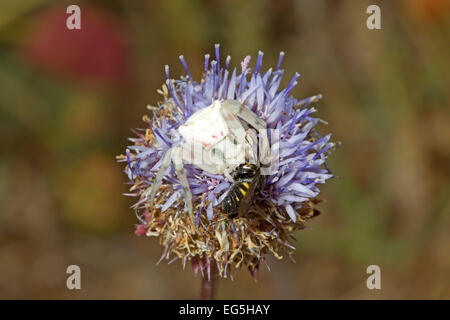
68 100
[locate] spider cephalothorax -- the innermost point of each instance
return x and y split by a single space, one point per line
215 140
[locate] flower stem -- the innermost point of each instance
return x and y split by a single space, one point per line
209 288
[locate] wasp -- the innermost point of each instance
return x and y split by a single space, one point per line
248 183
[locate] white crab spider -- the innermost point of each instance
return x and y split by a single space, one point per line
214 140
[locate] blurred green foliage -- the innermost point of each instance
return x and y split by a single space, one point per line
69 98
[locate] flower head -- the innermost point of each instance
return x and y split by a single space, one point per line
286 199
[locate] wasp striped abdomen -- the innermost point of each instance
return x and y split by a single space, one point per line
240 194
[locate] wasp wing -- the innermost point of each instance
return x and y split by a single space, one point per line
248 197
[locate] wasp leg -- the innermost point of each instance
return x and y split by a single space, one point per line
264 215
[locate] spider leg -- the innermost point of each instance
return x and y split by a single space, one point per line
228 176
240 110
165 163
179 169
235 126
237 146
252 139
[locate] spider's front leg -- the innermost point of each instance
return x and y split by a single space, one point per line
165 163
236 108
181 174
172 155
